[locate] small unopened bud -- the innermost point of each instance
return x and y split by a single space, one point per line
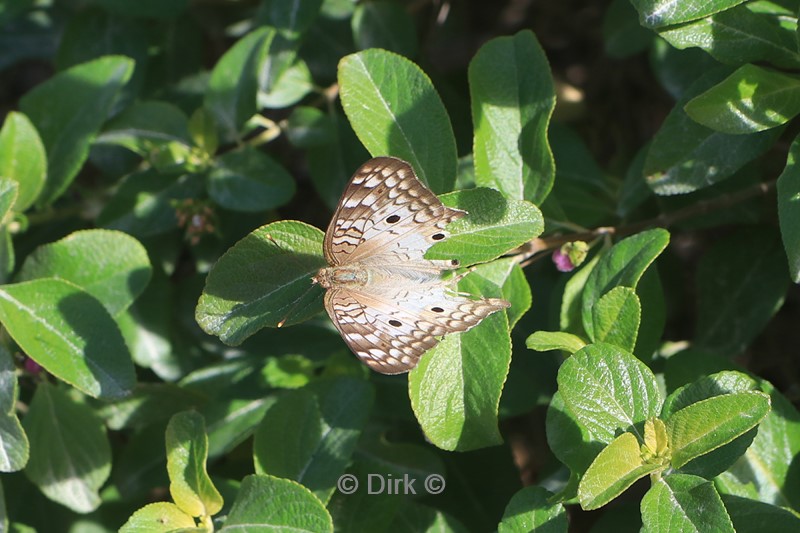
570 256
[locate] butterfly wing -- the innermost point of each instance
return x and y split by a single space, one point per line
389 329
386 215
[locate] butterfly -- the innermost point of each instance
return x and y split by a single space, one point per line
388 302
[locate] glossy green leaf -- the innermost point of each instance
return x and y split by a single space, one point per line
530 510
543 341
386 25
623 266
309 435
287 87
157 518
249 180
233 85
82 258
14 447
686 156
684 503
187 450
8 196
493 227
789 209
708 424
69 333
513 97
68 111
608 390
707 386
613 471
749 516
751 32
271 503
731 309
263 280
658 13
8 381
751 99
616 317
22 158
455 389
70 454
384 95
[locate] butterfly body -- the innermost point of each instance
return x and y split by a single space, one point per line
389 303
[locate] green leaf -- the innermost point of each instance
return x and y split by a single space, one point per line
156 518
544 341
789 209
8 381
14 447
70 334
749 516
749 33
684 503
414 517
623 266
187 452
765 472
623 36
386 97
658 13
455 389
149 403
731 309
145 8
494 226
287 87
613 471
263 280
82 258
22 158
8 197
751 99
266 502
249 180
309 435
70 454
386 25
309 126
512 100
708 424
615 318
608 390
233 85
570 317
530 510
686 156
291 17
68 110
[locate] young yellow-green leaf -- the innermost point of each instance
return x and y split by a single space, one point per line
159 517
544 341
531 510
749 100
70 334
658 13
493 226
22 158
679 502
233 85
203 132
623 265
110 265
275 504
513 98
789 209
616 316
263 280
395 110
613 471
708 424
249 180
608 390
68 110
656 441
455 389
70 454
187 451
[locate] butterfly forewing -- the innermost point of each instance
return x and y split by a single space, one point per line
389 303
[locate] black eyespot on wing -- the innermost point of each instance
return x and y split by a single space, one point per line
392 219
437 309
395 323
437 236
455 262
